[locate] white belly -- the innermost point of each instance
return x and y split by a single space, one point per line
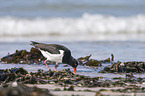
53 57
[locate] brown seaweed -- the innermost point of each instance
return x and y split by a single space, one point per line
17 89
125 67
86 61
24 57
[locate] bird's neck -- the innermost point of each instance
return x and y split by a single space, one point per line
67 60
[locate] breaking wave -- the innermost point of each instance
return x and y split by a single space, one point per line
85 25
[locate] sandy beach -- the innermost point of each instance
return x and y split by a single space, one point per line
83 91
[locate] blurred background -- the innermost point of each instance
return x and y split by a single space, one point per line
71 20
97 27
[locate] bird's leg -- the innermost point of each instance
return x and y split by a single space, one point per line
46 64
56 66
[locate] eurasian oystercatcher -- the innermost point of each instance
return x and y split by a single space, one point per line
57 53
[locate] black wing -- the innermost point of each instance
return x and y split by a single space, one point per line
52 48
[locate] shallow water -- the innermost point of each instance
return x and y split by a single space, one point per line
87 71
100 50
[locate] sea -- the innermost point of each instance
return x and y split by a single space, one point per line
96 27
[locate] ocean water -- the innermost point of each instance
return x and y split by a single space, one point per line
97 27
100 19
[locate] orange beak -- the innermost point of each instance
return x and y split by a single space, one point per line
75 70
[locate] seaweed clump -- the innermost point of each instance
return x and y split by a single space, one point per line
24 57
86 61
126 67
64 78
17 89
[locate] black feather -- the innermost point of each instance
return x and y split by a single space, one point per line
52 48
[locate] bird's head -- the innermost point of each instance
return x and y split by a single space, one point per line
74 64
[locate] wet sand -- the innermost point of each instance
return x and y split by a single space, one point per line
81 90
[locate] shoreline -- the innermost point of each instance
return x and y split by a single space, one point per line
85 91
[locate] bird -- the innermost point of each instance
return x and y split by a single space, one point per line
57 53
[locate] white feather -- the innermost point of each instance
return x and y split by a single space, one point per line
53 57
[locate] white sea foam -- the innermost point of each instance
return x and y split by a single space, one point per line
85 25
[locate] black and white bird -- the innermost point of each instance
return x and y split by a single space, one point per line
57 53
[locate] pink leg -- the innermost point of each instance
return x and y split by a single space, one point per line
56 67
46 64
